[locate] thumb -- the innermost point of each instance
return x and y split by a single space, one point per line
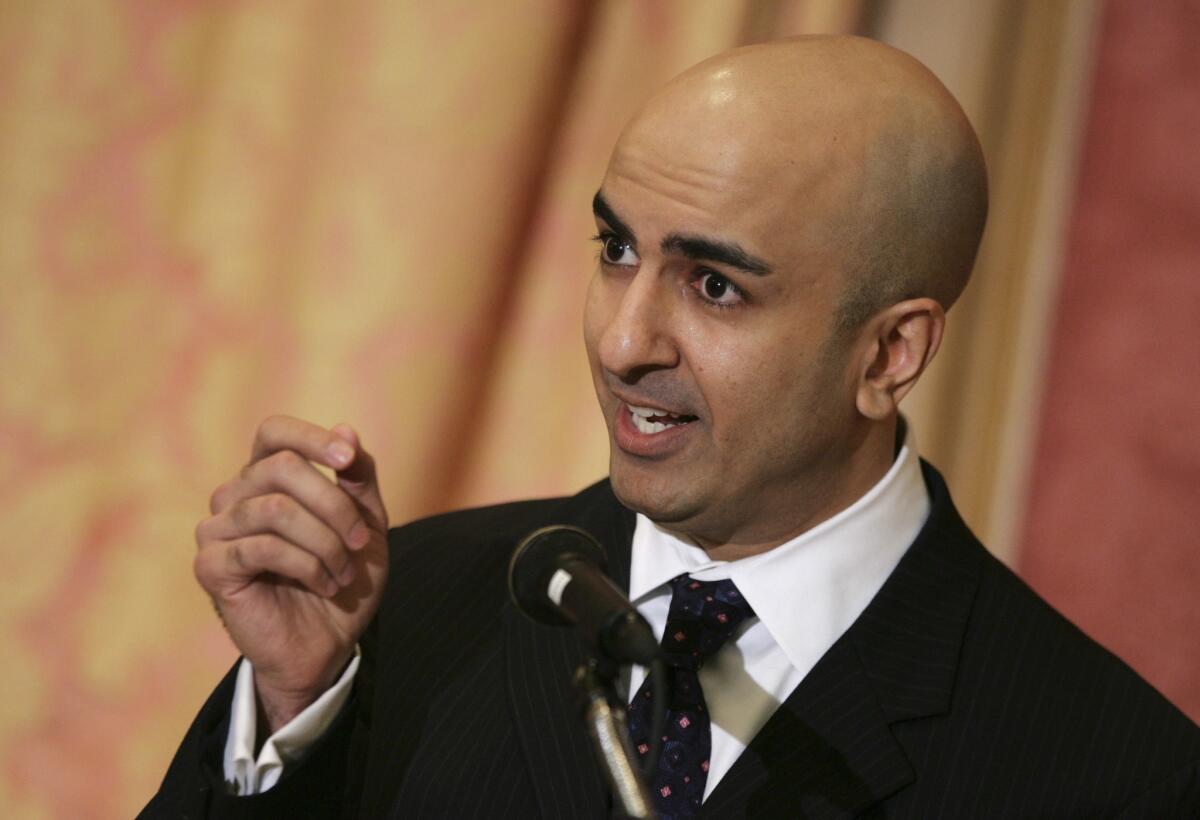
358 478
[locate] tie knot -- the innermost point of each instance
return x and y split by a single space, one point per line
703 616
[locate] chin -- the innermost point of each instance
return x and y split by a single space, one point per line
662 499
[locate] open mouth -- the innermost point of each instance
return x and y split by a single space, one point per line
651 420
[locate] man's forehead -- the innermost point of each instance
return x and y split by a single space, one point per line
791 120
722 154
745 137
715 181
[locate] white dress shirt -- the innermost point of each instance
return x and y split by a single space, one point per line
252 776
805 594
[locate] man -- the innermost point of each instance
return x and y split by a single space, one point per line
781 230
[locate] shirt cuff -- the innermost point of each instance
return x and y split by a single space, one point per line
246 775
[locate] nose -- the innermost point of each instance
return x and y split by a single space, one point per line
638 336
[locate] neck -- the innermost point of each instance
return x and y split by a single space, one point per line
837 488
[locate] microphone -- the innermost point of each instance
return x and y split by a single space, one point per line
556 576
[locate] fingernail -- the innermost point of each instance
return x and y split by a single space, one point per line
340 452
347 574
332 588
358 536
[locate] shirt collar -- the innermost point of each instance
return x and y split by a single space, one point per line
809 590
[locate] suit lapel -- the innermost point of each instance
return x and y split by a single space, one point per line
828 751
539 663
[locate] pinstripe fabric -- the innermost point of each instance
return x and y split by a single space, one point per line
957 693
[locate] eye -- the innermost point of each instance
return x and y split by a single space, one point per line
716 289
616 251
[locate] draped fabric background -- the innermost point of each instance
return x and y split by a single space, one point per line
377 212
1112 530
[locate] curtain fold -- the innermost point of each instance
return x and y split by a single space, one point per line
1110 531
377 212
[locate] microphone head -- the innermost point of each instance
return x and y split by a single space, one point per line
535 560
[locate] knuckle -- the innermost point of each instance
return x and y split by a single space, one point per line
285 462
201 531
277 506
236 554
217 501
202 569
242 514
247 471
269 430
269 425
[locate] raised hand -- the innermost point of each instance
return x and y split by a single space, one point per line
295 562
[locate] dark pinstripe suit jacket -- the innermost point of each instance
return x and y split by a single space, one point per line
958 693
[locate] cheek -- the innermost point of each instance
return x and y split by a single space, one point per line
594 317
759 391
737 384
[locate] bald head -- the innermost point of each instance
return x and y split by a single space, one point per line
855 149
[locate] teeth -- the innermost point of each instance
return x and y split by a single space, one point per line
646 412
641 419
648 427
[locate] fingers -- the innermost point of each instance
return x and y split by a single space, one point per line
313 442
289 473
346 432
281 515
249 557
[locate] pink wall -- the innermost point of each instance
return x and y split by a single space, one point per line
1113 532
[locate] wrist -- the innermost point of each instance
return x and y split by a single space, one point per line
275 712
278 705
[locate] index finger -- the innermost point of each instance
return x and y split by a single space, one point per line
309 440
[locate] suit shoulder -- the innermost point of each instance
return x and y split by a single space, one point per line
1023 644
1003 593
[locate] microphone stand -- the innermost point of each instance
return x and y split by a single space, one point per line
556 576
604 713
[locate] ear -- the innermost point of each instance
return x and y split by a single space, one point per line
901 342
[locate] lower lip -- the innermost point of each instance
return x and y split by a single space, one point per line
635 442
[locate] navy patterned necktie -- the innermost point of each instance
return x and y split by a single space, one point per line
703 616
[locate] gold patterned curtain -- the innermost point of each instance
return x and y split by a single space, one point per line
364 211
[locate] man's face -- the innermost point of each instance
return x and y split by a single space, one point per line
710 334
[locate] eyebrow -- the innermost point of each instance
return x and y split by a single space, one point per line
601 209
691 246
715 250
